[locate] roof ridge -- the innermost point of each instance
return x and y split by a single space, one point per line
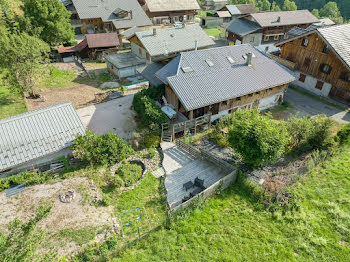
34 112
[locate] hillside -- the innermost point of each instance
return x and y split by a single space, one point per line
232 227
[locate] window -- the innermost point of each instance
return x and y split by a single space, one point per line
307 61
266 38
250 95
305 42
267 49
140 51
291 57
286 36
325 68
302 78
326 49
238 99
147 56
276 37
319 85
345 76
224 103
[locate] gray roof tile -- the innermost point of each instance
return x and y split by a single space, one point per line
209 85
242 26
171 5
34 134
174 40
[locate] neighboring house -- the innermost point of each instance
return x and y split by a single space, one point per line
240 10
35 138
124 64
296 31
222 80
322 60
170 11
265 29
94 46
75 22
214 4
159 45
102 16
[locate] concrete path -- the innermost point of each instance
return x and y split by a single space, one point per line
308 106
115 116
180 168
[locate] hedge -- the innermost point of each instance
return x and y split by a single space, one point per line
26 178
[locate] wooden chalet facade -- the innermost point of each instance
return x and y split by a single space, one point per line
321 60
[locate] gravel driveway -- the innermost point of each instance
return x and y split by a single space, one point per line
308 106
115 116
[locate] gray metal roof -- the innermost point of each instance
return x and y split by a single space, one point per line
174 40
130 32
148 72
123 60
268 19
338 37
241 9
88 9
242 26
34 134
207 85
171 5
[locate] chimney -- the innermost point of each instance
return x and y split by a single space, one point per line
278 19
195 45
154 31
249 58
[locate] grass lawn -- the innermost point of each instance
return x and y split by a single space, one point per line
10 104
214 32
233 227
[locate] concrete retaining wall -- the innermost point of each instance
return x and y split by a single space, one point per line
310 85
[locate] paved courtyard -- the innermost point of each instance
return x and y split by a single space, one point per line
115 116
181 167
308 106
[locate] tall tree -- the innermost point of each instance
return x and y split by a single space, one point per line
289 6
316 13
264 5
275 7
49 19
331 10
22 59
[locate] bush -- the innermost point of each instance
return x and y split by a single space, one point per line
257 138
129 173
151 153
344 134
104 149
152 141
118 182
309 133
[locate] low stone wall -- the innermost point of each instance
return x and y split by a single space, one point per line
104 95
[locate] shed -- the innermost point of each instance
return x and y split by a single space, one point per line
124 64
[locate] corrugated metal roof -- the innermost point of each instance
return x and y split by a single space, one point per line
338 37
102 40
207 85
131 32
104 9
266 19
171 5
124 60
242 26
233 9
173 40
34 134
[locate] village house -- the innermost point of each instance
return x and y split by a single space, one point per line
34 139
322 60
94 47
265 29
157 45
103 16
214 4
222 80
170 11
227 13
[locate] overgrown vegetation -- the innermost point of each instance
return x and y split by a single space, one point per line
129 173
10 103
150 113
95 149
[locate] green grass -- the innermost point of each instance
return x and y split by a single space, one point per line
233 227
317 98
79 236
10 104
214 32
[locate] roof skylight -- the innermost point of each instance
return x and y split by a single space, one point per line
231 60
187 69
209 62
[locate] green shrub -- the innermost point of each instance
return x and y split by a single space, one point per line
152 141
129 173
155 92
344 134
151 153
104 149
257 138
118 182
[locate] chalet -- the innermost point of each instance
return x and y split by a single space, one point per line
94 46
240 10
296 31
321 59
221 80
102 16
214 4
33 139
158 45
170 11
265 29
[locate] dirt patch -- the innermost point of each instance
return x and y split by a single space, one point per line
80 95
75 215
